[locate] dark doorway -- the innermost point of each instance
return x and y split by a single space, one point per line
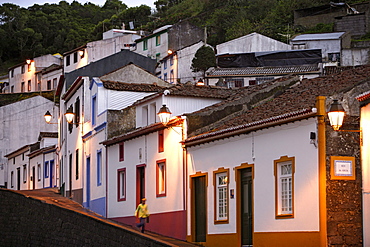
246 206
18 178
140 183
200 208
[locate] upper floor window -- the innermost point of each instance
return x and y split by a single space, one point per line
29 86
93 110
284 184
221 186
48 85
46 169
121 151
77 111
12 89
171 60
165 64
145 45
75 57
77 164
158 40
172 77
145 111
12 179
68 60
55 81
22 87
12 73
22 69
165 77
160 141
157 57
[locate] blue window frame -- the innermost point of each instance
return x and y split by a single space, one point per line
165 64
93 110
99 167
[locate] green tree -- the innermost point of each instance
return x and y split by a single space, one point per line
203 59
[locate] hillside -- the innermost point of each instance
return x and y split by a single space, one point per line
57 28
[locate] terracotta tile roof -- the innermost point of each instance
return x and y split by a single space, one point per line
202 91
297 97
364 96
48 134
252 71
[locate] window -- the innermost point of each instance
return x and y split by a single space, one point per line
299 46
55 82
153 113
231 83
121 151
157 57
171 60
39 172
165 64
75 57
46 169
48 85
145 115
93 110
12 179
22 156
221 186
77 164
12 89
24 173
284 187
14 161
157 40
121 173
70 125
68 60
171 76
165 77
77 111
22 87
22 69
334 57
29 85
99 167
160 141
145 45
12 73
161 178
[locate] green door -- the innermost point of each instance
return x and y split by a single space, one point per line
246 207
200 209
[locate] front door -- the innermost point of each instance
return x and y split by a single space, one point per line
246 207
200 208
140 183
88 196
51 175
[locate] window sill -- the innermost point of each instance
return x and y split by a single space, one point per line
284 216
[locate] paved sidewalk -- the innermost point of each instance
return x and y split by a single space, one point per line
51 196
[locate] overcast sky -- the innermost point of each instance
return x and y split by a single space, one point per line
129 3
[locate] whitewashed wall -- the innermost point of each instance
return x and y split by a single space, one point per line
365 164
144 150
253 42
267 145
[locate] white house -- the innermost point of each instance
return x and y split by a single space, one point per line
253 42
270 174
331 45
22 123
43 169
37 74
147 160
83 158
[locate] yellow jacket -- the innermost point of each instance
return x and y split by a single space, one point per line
142 211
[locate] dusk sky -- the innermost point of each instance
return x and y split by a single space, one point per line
27 3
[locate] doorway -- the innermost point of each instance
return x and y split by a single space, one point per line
246 206
140 183
199 208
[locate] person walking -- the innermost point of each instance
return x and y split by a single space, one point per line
142 214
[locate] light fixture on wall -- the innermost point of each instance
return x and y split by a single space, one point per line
81 53
336 115
69 115
169 52
164 114
28 61
48 118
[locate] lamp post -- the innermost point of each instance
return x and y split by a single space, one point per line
164 114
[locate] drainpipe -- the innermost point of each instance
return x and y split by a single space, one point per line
321 113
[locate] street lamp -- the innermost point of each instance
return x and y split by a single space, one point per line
336 114
69 115
164 114
48 118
